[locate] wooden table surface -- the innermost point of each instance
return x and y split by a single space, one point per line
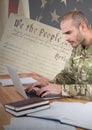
9 94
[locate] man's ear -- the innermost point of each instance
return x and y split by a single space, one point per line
83 26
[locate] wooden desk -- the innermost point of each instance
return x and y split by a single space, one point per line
9 94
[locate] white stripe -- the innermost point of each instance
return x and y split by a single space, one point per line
3 14
23 8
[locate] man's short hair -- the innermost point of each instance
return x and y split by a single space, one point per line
77 17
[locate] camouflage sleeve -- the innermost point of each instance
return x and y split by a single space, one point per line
64 77
78 91
70 88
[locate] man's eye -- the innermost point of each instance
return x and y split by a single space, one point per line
69 32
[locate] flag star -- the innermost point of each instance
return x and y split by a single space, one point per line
43 3
54 16
75 9
77 0
38 18
90 9
64 2
80 1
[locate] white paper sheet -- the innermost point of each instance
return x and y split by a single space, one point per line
7 82
76 114
28 123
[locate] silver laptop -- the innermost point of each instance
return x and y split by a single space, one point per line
19 87
17 83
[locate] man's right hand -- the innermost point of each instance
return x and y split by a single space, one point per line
37 84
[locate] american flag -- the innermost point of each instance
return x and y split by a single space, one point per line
50 11
45 11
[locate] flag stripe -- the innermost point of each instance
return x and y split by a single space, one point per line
13 6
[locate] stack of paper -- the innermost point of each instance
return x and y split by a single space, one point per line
29 123
77 114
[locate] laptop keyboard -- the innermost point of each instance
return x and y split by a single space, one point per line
31 94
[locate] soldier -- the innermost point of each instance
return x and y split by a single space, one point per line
76 78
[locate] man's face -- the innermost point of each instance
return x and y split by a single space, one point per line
72 33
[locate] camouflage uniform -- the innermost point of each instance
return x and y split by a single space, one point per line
76 78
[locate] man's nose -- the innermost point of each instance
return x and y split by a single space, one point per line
67 38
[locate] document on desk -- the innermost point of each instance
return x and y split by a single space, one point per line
29 123
77 114
26 80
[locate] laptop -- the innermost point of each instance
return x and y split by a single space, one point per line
19 87
17 83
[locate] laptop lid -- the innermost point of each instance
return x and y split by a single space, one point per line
16 81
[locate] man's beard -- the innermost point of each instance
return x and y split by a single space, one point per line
81 39
83 43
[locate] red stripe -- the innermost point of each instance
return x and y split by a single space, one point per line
13 6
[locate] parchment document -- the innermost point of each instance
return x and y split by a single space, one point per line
30 46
